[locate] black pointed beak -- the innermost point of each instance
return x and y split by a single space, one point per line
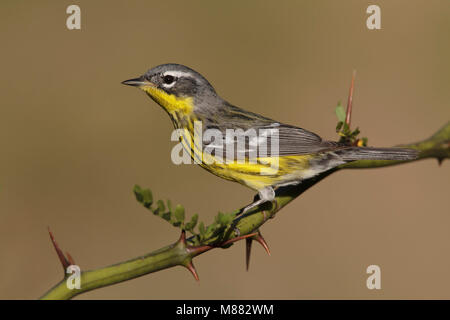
136 82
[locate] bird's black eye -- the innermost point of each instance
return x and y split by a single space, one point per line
168 79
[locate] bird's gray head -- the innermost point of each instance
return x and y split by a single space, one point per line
174 79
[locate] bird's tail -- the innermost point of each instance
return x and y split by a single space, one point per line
368 153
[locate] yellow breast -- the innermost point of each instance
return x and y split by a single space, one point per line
265 172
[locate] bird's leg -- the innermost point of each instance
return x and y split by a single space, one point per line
266 194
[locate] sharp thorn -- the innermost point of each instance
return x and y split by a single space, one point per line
200 249
259 238
191 268
348 115
64 262
239 238
182 238
70 259
248 250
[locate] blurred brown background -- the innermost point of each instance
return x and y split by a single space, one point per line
74 141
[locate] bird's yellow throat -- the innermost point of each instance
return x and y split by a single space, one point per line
174 105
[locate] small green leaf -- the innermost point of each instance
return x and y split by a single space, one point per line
138 193
176 223
166 216
143 196
201 228
340 112
191 224
179 213
212 227
346 129
229 218
160 207
147 198
219 218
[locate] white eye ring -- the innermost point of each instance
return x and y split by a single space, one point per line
169 85
176 75
169 80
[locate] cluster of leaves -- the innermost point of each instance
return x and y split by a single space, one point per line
176 217
343 130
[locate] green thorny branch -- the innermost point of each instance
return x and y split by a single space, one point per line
226 228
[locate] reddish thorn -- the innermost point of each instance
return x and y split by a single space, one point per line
348 116
239 238
191 268
59 252
182 237
201 249
248 250
259 238
70 259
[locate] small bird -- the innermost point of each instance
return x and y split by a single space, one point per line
300 154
